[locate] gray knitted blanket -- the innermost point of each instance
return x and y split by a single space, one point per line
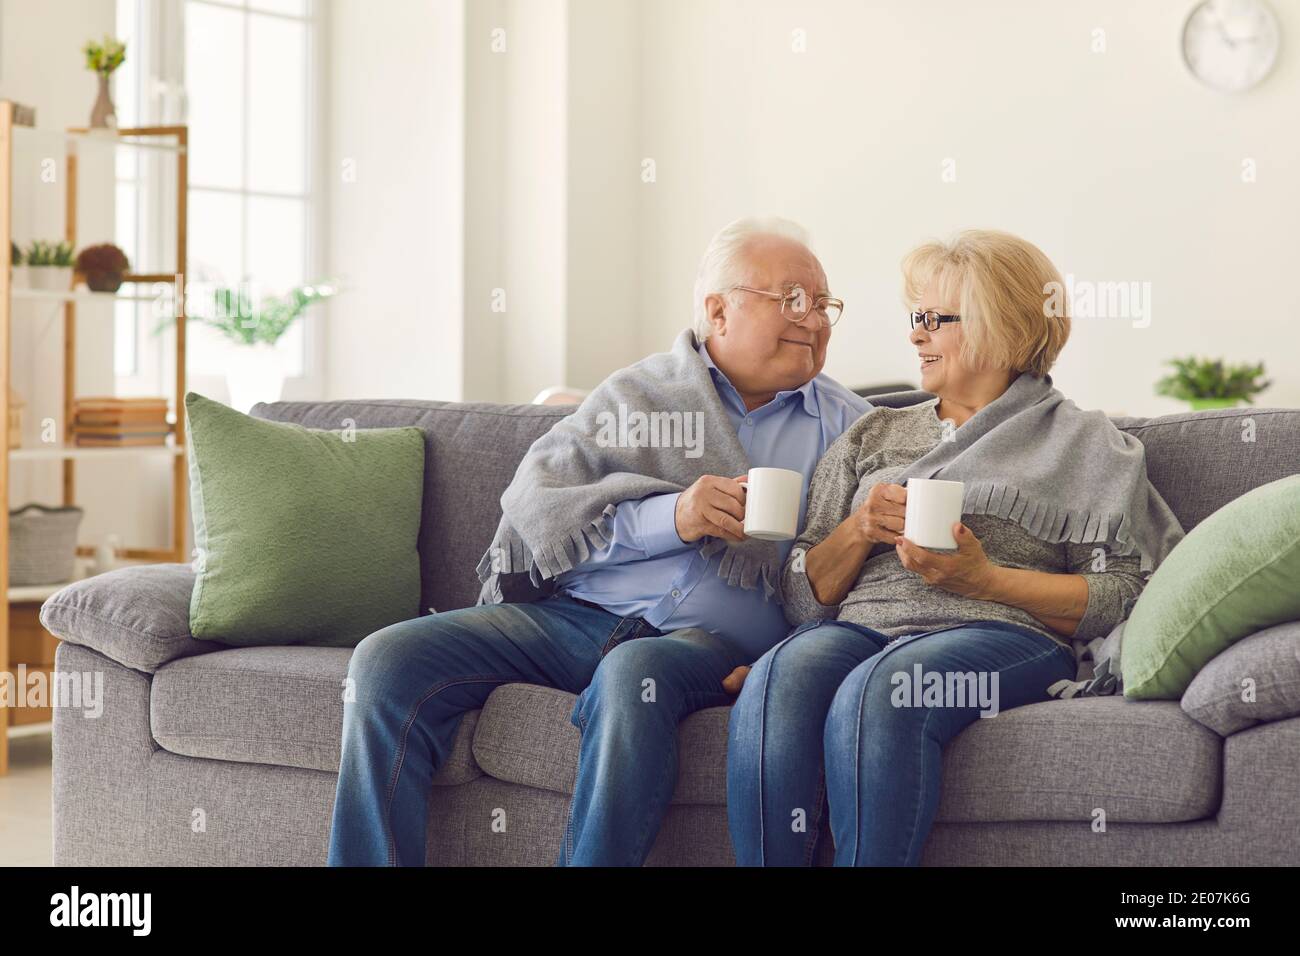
652 428
1063 474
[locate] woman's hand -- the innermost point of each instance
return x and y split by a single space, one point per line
879 519
968 572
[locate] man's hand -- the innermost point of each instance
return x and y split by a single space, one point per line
735 680
967 572
714 507
880 517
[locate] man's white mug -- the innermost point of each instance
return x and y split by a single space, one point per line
772 503
933 507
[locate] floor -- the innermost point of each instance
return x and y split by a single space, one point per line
25 828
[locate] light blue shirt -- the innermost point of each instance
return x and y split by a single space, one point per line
647 571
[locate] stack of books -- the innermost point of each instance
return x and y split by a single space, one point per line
120 422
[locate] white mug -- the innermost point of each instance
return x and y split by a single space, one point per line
933 507
772 503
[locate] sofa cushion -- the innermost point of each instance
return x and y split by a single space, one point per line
304 536
138 616
1253 681
471 453
1060 760
273 705
1233 574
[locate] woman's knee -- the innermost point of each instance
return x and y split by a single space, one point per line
871 698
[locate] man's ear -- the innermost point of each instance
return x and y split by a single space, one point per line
715 309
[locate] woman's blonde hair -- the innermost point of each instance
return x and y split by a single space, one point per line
1009 295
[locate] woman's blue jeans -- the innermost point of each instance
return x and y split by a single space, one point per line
837 713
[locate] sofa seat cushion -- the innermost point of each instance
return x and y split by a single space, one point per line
1139 761
272 705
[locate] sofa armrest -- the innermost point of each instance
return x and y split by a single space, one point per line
1255 680
137 616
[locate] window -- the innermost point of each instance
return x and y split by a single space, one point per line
245 86
248 89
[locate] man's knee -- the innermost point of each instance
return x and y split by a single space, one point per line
634 681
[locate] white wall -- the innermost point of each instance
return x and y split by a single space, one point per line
396 221
1120 165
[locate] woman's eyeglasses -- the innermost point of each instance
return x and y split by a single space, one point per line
931 320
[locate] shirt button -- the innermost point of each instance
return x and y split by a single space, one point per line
676 593
749 421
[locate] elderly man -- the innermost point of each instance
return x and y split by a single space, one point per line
620 571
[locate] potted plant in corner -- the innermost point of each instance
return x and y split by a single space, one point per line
103 267
1210 383
103 58
257 374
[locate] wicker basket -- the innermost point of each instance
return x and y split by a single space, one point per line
42 545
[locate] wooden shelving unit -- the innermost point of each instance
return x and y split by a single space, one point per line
31 645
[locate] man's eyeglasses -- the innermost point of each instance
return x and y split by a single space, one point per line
931 320
796 304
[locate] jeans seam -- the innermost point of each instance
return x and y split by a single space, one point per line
762 742
872 661
762 748
810 851
400 755
920 790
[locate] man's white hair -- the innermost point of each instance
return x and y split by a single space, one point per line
721 268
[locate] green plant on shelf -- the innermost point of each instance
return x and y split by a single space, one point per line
232 313
104 56
15 254
62 254
1212 380
39 253
56 254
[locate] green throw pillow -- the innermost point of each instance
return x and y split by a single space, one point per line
304 536
1234 574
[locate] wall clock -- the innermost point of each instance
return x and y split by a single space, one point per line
1231 45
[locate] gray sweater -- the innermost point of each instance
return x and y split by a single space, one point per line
894 601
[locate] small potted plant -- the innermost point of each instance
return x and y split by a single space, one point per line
50 265
1210 383
256 374
39 258
103 267
17 270
60 272
103 58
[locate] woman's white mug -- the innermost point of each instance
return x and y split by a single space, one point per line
772 503
933 507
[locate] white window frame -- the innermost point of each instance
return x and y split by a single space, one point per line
162 101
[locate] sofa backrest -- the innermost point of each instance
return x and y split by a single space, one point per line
1198 461
471 453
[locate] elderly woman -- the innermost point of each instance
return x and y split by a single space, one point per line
1059 530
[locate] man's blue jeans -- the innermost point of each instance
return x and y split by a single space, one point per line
829 715
414 681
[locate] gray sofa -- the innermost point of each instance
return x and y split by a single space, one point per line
213 755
